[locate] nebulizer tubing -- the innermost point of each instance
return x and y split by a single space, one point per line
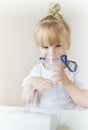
28 105
34 103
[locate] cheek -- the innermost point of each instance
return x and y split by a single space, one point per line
43 53
61 52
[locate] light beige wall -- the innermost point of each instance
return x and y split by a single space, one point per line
18 55
17 50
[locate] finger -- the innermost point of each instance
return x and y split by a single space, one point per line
60 68
56 74
56 78
49 84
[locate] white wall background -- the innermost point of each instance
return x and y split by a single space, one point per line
18 52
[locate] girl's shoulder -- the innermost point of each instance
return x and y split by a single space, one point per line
35 71
81 72
79 75
81 78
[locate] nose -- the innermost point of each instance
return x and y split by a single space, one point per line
51 51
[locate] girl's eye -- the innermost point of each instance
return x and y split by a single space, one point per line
45 47
58 45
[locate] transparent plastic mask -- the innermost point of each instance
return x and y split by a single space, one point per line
52 62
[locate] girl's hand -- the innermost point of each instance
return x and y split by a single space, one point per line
42 83
59 76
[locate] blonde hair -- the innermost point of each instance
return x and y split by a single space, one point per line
52 29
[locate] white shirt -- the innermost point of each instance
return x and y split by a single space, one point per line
58 98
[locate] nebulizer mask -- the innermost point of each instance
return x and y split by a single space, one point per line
51 62
58 62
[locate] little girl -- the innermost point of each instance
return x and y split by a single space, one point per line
67 90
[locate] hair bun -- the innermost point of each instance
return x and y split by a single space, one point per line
54 9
